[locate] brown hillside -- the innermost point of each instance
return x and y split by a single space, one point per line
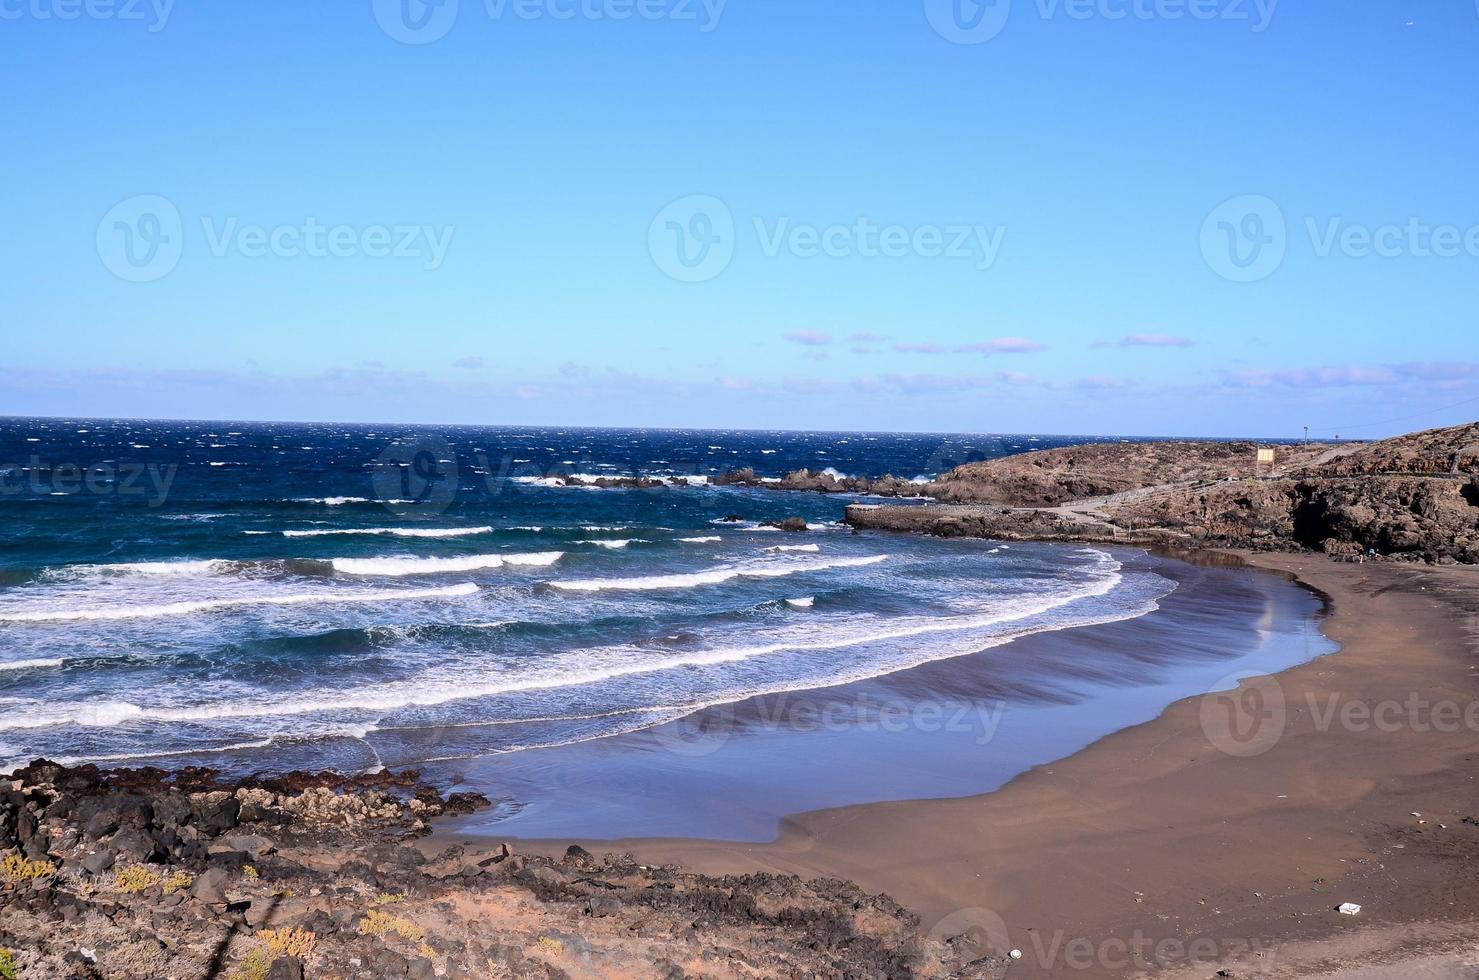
1050 477
1435 451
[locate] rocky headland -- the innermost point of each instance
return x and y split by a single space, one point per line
1413 497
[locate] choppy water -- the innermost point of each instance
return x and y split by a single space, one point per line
281 596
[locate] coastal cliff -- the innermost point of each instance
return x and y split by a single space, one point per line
1413 497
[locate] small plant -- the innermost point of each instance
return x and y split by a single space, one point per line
388 898
254 966
288 942
135 879
177 881
382 925
551 945
250 871
16 868
9 970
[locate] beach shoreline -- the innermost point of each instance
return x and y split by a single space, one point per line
1156 835
937 727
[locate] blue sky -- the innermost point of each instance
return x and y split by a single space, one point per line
1220 217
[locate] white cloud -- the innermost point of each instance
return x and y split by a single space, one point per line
809 338
1154 340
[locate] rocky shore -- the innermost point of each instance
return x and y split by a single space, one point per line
1414 497
143 875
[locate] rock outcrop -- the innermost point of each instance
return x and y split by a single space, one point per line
822 482
140 875
1414 497
1434 452
999 523
1426 519
1050 477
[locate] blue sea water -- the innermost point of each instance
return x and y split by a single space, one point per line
275 596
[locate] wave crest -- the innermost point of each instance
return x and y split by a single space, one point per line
207 605
396 567
399 532
713 576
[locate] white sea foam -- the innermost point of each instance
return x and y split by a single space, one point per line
399 532
745 525
595 666
806 602
435 566
713 576
33 664
581 481
97 714
538 559
77 760
702 539
207 567
795 547
70 614
612 542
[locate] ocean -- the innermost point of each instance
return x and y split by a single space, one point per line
267 597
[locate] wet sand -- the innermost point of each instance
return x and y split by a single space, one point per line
1238 821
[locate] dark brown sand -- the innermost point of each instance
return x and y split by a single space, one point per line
1189 844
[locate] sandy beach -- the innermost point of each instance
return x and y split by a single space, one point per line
1184 844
